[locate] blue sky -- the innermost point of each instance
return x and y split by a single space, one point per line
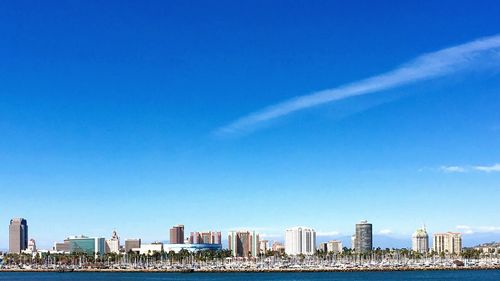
109 113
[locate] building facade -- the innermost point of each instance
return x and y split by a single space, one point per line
150 249
62 247
243 243
449 243
131 244
300 240
18 235
89 245
363 239
420 241
334 246
177 234
207 237
113 244
278 247
31 249
191 247
263 246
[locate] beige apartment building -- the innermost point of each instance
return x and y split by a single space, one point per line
449 242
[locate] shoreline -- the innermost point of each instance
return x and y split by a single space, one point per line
283 270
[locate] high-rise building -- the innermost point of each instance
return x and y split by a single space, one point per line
420 241
449 242
300 240
113 244
207 237
177 234
131 244
18 235
243 243
363 241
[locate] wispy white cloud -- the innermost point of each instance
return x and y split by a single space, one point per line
271 235
452 169
466 229
464 169
327 233
432 65
488 169
385 231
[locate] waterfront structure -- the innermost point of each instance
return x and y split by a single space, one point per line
420 241
243 243
113 244
150 249
89 245
18 235
363 239
278 247
131 244
300 240
177 234
334 246
449 243
191 247
207 237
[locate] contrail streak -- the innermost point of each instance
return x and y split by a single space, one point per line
427 66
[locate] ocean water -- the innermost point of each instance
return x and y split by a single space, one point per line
487 275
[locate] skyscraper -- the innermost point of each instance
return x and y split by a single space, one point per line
300 240
363 241
177 234
449 242
243 243
18 235
420 241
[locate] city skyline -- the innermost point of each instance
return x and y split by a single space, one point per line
296 240
221 116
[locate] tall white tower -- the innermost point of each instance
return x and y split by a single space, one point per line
300 240
420 241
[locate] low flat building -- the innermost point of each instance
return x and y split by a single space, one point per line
131 244
89 245
149 249
191 247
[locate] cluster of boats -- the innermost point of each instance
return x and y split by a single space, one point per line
265 265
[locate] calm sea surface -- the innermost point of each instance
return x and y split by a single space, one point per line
493 275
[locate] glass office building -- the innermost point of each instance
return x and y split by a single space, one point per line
88 245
